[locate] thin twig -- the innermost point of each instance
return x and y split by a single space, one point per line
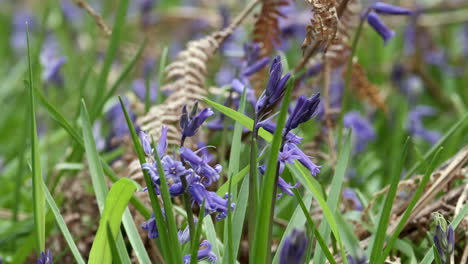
97 17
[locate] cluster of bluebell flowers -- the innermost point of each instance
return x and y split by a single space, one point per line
45 258
191 174
444 238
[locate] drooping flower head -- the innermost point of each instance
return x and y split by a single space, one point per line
253 61
189 123
151 227
45 258
200 166
376 22
294 247
275 89
350 195
204 253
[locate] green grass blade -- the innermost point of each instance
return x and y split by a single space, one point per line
112 51
379 239
297 220
210 233
262 236
334 196
63 226
196 238
411 205
115 204
97 175
436 255
38 192
134 237
122 77
116 259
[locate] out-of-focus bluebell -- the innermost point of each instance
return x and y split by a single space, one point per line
18 31
151 227
416 127
409 84
238 87
253 62
98 138
363 132
118 125
444 238
145 8
204 253
190 122
464 40
376 22
45 258
275 89
294 247
350 195
292 24
139 88
145 143
303 111
357 259
72 13
51 62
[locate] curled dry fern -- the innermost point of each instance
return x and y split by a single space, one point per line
185 80
323 24
266 30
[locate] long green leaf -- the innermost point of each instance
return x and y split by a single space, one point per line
115 204
297 220
116 259
379 239
262 236
196 238
63 226
97 178
38 192
334 196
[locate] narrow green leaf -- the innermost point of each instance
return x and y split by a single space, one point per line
334 196
379 239
112 51
196 238
134 237
411 205
113 246
63 226
98 182
436 255
210 233
262 236
115 204
38 192
297 220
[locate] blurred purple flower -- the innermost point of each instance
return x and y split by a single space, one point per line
275 87
384 9
146 6
18 35
375 22
350 195
239 86
71 12
204 253
363 132
416 127
357 260
294 247
151 227
387 9
189 123
51 62
139 88
45 258
409 84
117 120
145 142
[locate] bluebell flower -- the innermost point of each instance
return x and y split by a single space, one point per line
416 127
305 160
356 260
282 184
213 203
363 132
184 236
239 86
271 127
139 88
350 195
275 89
444 238
173 170
18 31
146 6
71 12
45 258
151 227
287 155
384 9
189 123
146 144
200 166
118 125
294 247
303 112
51 62
162 143
204 253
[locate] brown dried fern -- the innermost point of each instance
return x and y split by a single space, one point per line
266 30
365 89
185 79
323 25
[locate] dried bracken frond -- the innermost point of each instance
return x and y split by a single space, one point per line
185 80
364 88
323 25
266 30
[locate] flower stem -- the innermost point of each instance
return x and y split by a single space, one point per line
187 198
253 194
